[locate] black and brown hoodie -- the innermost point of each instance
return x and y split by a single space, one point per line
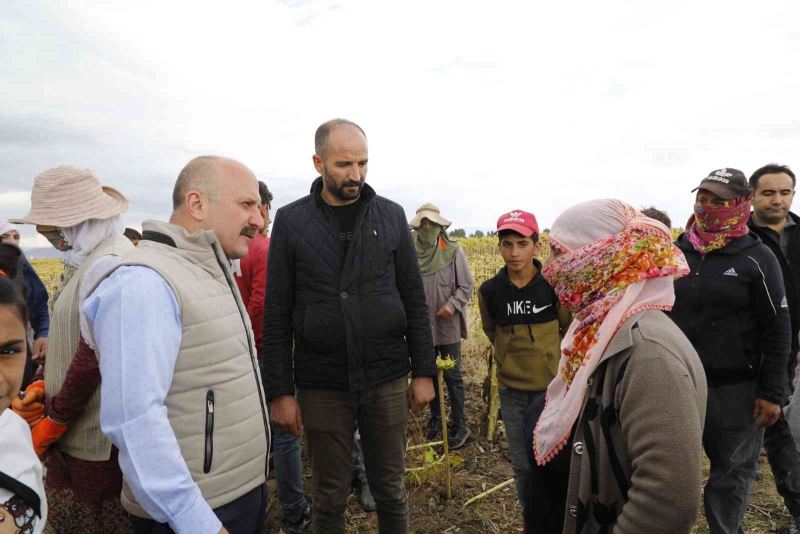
525 325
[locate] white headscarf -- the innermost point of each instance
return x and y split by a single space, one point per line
84 237
6 227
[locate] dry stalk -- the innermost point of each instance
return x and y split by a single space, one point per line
489 492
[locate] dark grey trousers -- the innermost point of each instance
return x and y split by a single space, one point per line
732 444
455 388
515 405
329 420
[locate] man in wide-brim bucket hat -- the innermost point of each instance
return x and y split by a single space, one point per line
431 212
81 218
448 288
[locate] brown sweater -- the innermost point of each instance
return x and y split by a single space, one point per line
637 448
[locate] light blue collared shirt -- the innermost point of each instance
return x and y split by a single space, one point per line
137 329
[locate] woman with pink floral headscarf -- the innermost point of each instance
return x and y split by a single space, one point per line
617 442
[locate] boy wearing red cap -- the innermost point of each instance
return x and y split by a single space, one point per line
521 316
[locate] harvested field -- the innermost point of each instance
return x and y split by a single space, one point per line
480 465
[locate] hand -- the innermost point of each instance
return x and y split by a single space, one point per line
31 406
420 393
47 432
765 413
39 349
223 531
445 311
285 411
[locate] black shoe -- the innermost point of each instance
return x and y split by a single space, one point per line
457 440
434 430
302 526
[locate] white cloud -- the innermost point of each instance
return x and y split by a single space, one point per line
480 107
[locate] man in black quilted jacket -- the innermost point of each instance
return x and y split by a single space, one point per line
345 323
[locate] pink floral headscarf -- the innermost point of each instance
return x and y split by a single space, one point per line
710 228
615 263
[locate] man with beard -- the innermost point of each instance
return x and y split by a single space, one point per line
773 192
181 392
345 323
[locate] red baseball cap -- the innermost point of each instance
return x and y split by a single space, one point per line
522 222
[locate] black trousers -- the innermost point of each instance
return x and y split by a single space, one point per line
245 515
785 463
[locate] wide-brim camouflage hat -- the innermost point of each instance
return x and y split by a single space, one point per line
65 196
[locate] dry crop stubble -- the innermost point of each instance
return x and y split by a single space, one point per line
484 464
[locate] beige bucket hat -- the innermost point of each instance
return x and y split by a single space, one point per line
65 196
430 212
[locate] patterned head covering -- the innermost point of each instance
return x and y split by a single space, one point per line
614 263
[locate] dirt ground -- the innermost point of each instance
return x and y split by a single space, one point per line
482 465
487 464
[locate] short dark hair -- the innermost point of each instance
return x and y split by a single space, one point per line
657 214
324 131
264 193
132 234
502 234
771 168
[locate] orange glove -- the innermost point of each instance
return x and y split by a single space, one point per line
31 406
47 432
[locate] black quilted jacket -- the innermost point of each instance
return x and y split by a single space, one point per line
347 323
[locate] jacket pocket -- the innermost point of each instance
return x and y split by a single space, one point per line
208 452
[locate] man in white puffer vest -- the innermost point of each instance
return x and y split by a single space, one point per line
181 390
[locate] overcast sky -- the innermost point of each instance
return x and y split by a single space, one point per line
479 107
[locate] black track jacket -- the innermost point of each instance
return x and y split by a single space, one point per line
733 309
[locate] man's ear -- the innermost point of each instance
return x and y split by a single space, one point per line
196 205
318 163
537 248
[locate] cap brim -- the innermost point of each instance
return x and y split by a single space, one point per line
718 189
525 231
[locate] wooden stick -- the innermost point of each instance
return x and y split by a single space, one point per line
444 433
494 397
423 445
489 492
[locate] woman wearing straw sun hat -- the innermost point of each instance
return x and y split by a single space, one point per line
81 218
448 288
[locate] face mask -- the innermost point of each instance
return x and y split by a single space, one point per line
429 234
55 236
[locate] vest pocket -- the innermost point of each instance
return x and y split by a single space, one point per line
209 442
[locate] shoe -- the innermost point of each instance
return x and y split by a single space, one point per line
459 438
365 498
794 525
302 526
434 430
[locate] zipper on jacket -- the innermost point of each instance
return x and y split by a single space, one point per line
208 452
253 360
375 252
697 285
